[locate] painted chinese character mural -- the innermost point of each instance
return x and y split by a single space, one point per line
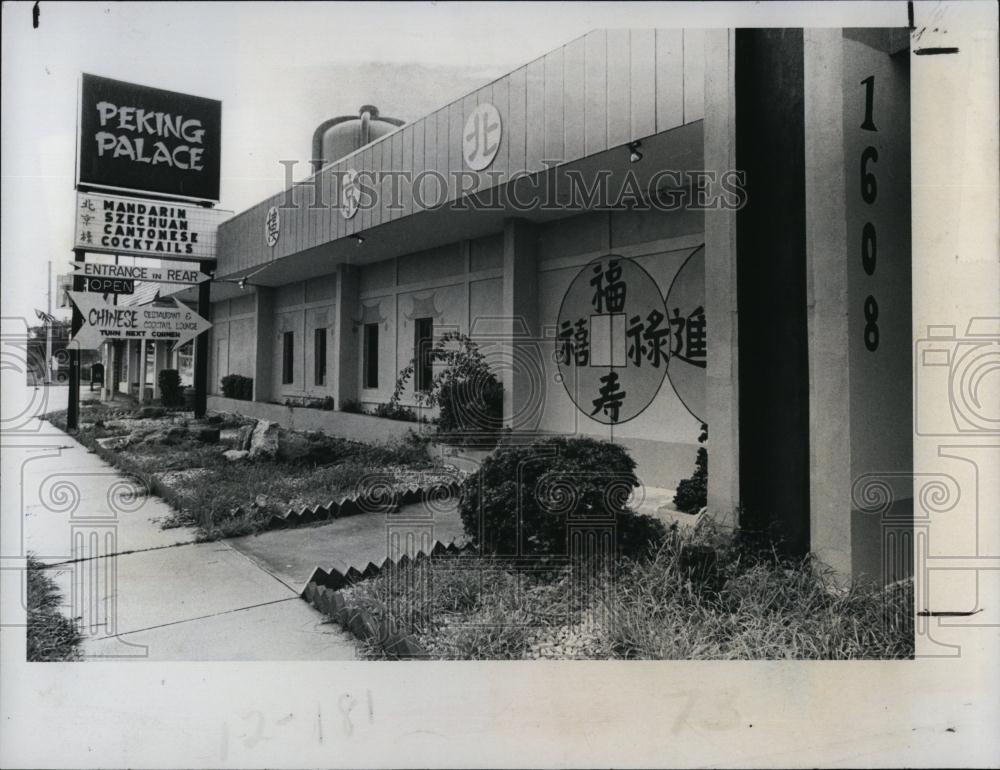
618 338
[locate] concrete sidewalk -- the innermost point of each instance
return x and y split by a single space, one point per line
147 593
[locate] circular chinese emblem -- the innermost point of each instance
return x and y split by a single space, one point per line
350 194
481 136
614 340
689 347
272 226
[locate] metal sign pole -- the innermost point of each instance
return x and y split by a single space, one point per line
73 408
201 344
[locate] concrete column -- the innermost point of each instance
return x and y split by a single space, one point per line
346 338
826 288
519 325
142 371
263 342
159 364
722 396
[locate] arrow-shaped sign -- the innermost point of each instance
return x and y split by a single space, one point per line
104 322
153 274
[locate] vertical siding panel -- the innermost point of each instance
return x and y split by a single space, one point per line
429 186
515 130
337 218
596 92
619 109
498 95
301 195
398 165
366 212
534 124
418 165
554 150
315 199
352 225
406 169
669 78
286 242
694 75
456 121
642 79
329 206
441 163
468 104
574 78
383 161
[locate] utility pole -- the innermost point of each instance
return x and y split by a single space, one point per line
48 330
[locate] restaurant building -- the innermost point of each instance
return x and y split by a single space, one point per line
644 231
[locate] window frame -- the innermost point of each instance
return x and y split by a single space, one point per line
370 356
319 356
288 358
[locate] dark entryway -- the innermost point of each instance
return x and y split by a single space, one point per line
771 285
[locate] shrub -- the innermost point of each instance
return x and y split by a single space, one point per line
393 410
692 493
543 484
467 391
351 405
171 392
237 386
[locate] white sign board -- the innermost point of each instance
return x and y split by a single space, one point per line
272 226
182 275
104 322
146 228
481 137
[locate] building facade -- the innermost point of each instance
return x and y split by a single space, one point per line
644 231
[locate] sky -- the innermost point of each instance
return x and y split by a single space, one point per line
279 68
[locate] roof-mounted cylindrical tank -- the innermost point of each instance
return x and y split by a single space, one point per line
337 137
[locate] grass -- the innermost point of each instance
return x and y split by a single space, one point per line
206 489
744 605
51 635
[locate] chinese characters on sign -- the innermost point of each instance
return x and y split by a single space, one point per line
617 336
272 226
145 228
481 137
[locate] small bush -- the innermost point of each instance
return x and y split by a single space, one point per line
351 405
237 386
542 485
395 411
171 393
692 493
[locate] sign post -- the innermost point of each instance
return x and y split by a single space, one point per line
147 177
73 407
201 346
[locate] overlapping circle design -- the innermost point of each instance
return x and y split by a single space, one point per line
613 340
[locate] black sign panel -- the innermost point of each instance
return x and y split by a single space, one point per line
142 139
110 285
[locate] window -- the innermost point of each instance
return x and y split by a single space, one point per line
319 356
370 362
423 341
288 358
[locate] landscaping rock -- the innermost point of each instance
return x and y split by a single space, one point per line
292 446
234 455
245 435
208 434
264 439
113 443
